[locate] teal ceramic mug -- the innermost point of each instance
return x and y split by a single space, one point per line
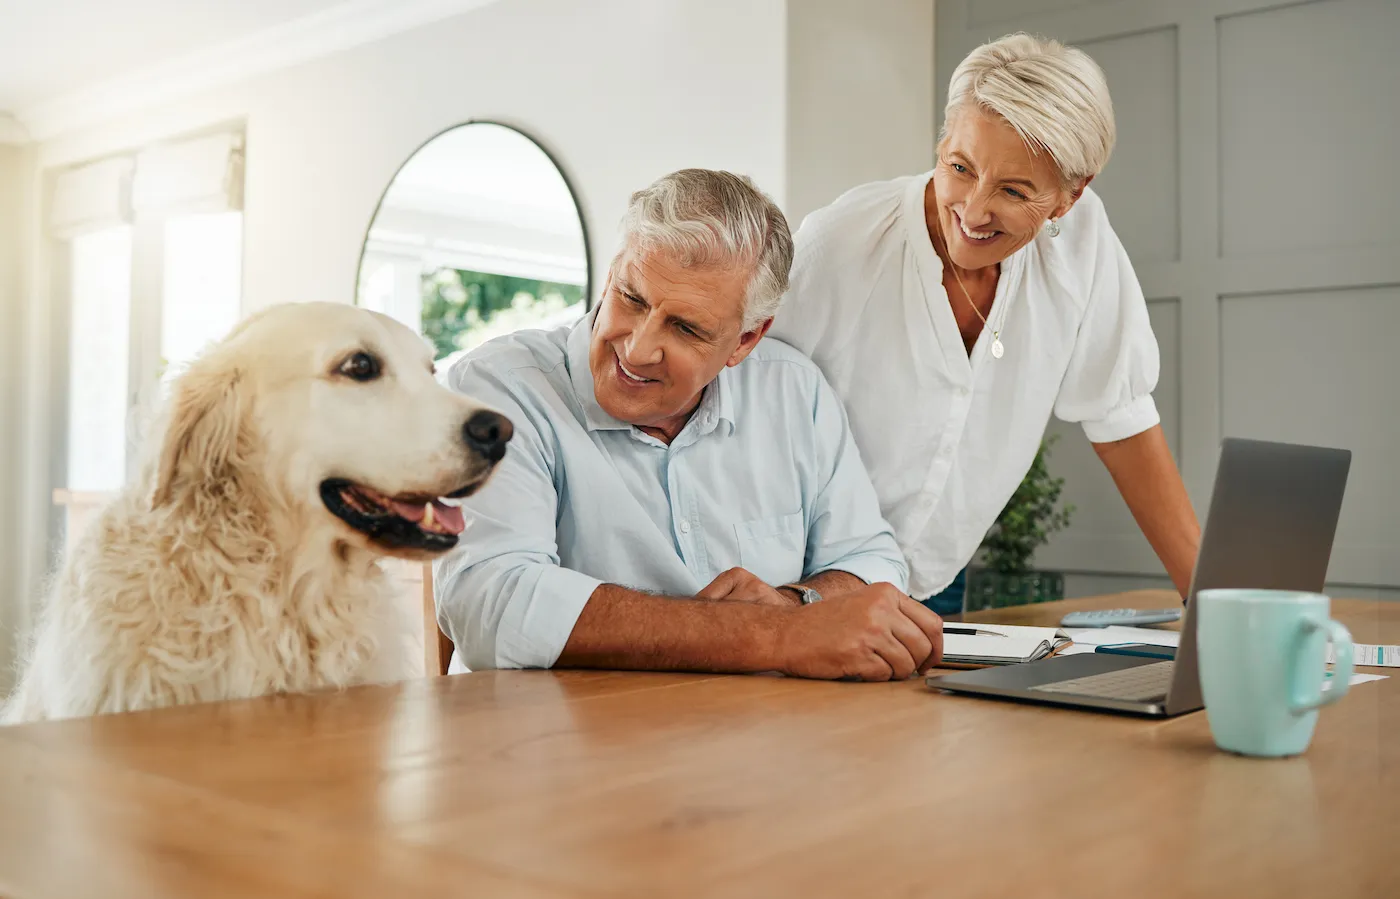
1262 656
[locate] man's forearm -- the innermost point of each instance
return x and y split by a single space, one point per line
834 583
621 628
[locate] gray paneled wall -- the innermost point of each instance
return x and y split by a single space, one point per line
1144 164
1322 367
1103 536
1254 188
1310 128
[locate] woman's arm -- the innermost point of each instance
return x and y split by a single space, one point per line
1148 479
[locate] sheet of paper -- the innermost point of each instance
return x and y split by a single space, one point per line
1371 655
1355 679
957 646
1101 636
995 641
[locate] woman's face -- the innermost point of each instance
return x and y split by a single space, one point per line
992 193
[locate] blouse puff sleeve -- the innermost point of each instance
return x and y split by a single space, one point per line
1114 366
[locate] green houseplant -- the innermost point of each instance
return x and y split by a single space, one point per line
1005 576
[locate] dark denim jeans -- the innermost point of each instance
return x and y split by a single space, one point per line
950 601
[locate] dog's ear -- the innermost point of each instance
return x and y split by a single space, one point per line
207 434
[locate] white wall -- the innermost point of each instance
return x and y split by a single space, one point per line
622 91
860 96
15 177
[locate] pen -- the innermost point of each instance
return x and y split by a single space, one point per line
971 632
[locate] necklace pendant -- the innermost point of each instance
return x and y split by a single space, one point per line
997 348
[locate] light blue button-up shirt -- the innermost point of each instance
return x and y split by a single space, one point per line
764 476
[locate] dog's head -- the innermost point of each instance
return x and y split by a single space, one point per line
333 410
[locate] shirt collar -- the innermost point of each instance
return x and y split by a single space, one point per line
716 404
716 407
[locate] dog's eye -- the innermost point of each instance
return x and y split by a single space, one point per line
361 367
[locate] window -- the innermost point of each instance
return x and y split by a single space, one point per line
201 298
464 309
98 352
154 249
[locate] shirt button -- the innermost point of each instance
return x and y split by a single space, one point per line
685 527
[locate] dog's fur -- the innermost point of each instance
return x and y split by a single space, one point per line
221 573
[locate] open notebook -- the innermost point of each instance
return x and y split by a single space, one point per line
998 644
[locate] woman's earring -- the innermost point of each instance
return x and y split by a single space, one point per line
1052 228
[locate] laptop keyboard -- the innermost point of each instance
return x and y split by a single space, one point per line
1130 684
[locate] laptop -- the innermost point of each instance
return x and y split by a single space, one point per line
1272 519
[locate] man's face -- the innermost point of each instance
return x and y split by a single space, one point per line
662 334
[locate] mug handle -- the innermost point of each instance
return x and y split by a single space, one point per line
1346 664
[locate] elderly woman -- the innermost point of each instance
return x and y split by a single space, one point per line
954 311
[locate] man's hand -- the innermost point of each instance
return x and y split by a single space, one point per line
876 633
742 585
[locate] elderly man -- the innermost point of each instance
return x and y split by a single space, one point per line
679 494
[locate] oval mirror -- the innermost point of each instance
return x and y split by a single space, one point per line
478 234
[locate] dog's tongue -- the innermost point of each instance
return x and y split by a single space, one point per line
412 511
446 519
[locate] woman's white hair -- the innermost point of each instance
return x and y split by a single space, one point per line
711 218
1056 97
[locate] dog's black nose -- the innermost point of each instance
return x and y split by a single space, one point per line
488 433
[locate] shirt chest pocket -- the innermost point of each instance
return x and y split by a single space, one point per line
773 548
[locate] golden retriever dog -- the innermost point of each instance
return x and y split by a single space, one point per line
310 442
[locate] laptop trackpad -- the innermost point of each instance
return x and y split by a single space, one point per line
1143 683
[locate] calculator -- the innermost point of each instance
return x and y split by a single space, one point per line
1121 617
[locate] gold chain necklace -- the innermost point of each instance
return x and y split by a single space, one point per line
997 348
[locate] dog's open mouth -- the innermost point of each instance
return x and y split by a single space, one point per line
397 522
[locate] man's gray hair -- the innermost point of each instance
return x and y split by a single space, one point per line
716 219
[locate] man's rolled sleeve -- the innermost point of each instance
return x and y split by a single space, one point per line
501 595
538 621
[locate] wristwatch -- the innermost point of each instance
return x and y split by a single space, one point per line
806 594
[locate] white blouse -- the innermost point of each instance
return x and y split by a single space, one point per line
946 437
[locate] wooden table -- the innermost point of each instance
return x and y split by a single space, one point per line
542 784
